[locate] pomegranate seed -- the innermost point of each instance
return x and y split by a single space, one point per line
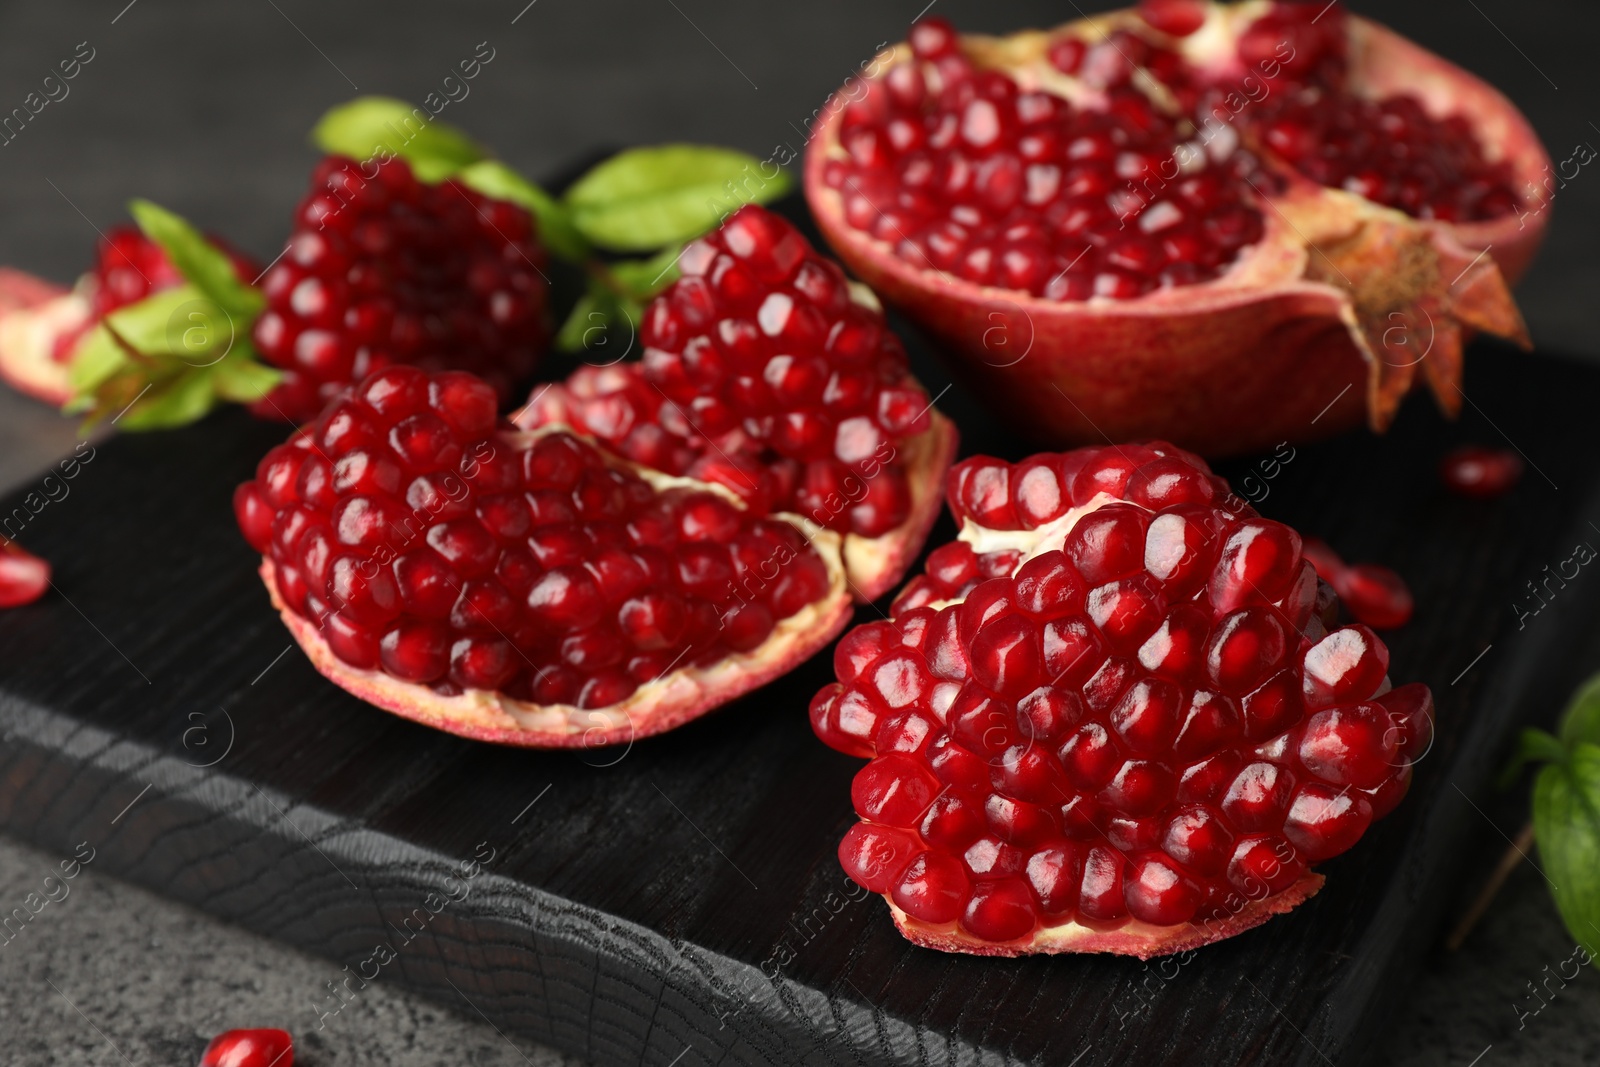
249 1048
24 577
1374 595
1481 473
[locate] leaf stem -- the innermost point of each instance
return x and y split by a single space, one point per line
1515 853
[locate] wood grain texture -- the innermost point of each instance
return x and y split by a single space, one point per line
679 900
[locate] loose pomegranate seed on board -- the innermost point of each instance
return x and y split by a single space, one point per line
1481 473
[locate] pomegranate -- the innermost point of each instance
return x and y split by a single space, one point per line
1227 225
42 323
525 586
767 372
250 1048
385 269
23 576
1481 473
1111 716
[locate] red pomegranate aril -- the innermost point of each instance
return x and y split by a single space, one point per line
249 1048
1481 473
1374 595
933 888
24 577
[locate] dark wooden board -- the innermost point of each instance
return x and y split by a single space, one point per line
679 901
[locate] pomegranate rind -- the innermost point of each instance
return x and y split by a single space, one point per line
33 314
1133 938
1271 350
677 697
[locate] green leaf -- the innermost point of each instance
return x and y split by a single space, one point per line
172 356
201 263
1533 746
1581 721
372 125
642 279
556 231
644 198
1566 823
245 380
144 325
177 402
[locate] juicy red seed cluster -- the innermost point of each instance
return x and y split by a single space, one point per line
966 173
1391 152
426 545
762 374
1145 720
383 269
128 268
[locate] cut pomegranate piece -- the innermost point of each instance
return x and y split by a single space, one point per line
1198 220
42 323
384 269
250 1048
525 587
23 576
1134 732
767 372
1481 473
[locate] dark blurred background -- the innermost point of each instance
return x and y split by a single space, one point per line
205 107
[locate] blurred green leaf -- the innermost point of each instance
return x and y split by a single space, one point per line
202 264
370 125
644 198
1566 823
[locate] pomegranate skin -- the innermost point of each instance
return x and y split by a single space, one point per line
1288 344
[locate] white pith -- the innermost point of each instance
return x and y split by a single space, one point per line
28 337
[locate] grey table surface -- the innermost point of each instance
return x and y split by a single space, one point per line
204 107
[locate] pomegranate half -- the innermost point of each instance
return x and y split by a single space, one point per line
1112 716
1224 225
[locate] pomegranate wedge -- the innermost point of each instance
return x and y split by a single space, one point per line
1111 716
525 587
1224 225
770 374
